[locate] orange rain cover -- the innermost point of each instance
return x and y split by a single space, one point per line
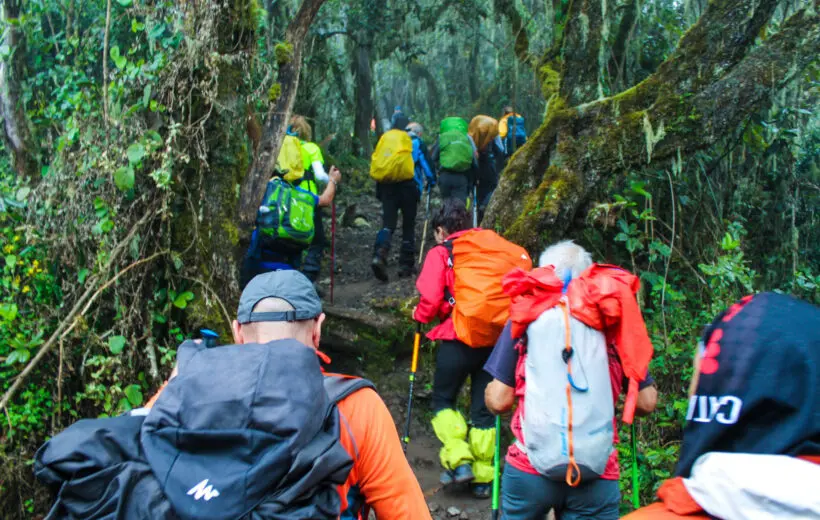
481 258
483 129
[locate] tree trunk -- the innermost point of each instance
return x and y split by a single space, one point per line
714 80
364 96
519 30
584 49
289 58
16 132
418 71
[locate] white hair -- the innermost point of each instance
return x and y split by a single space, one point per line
567 257
416 128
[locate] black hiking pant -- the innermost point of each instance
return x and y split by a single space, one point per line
258 261
398 196
313 258
454 362
454 185
487 181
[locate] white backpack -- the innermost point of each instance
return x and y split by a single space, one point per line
549 441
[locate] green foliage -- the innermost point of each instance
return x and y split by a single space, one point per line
283 52
29 296
710 263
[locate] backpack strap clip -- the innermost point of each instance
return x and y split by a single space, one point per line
521 345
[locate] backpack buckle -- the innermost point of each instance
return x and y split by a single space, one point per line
566 354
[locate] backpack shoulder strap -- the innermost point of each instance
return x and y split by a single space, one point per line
339 387
448 245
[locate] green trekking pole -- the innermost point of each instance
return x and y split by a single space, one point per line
636 485
497 466
413 365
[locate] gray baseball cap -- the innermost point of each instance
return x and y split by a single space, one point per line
291 286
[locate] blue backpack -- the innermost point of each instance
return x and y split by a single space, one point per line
516 134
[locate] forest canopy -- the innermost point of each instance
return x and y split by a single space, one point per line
680 140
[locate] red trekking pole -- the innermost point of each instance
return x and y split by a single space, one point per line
332 248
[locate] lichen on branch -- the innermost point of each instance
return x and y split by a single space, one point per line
711 83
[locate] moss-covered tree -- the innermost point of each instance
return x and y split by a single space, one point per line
724 69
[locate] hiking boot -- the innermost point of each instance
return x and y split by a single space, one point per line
481 490
463 474
379 268
446 478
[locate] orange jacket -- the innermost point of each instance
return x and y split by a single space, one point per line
380 470
602 297
676 503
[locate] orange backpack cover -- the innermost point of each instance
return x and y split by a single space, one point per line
480 258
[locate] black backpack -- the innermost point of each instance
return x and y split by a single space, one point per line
188 457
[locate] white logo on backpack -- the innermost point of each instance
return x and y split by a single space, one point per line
203 490
545 420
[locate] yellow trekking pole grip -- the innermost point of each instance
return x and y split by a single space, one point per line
413 366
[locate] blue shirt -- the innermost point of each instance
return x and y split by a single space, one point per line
423 169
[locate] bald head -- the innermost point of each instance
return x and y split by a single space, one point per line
305 331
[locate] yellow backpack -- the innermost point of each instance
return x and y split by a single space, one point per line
393 159
290 159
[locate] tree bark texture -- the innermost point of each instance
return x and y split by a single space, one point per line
363 70
16 132
289 57
584 48
714 80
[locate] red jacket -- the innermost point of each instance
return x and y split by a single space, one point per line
435 276
603 297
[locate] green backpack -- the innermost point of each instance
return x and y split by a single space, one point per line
285 218
455 148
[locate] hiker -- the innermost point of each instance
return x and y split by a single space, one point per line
511 130
483 130
456 155
462 351
252 426
573 471
424 176
315 173
398 120
285 223
751 444
400 169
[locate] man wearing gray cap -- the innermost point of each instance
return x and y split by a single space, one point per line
283 306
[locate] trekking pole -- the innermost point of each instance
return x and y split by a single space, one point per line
413 364
497 467
475 205
636 485
332 248
426 221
